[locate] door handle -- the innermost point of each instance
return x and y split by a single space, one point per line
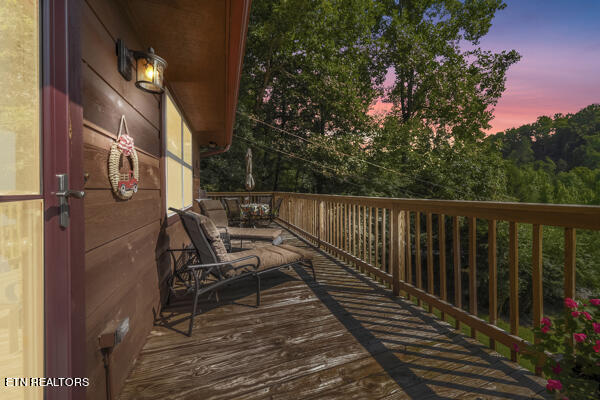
63 195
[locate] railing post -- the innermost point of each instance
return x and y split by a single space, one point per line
321 222
397 248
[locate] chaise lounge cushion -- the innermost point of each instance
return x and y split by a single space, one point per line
215 211
272 256
212 234
254 233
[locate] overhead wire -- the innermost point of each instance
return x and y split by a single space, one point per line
351 156
334 174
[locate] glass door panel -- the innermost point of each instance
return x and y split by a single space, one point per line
21 295
21 222
19 97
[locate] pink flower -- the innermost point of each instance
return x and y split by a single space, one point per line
575 314
546 321
545 329
595 302
597 347
557 369
579 337
587 315
570 303
596 326
553 384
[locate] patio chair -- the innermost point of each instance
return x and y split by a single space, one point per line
216 268
275 209
234 212
266 200
215 211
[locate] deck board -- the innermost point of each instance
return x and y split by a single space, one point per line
342 337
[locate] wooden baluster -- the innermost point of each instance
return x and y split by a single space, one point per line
442 247
335 225
536 279
370 228
418 253
457 268
329 220
408 251
321 221
430 289
493 276
364 236
396 249
354 229
570 252
339 226
346 228
384 263
376 263
473 270
513 278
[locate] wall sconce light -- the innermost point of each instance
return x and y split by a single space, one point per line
149 68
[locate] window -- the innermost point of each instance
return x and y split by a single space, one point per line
178 157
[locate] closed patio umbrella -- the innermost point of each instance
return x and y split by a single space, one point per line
249 178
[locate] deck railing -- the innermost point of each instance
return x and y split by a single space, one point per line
374 234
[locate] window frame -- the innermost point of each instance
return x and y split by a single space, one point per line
166 97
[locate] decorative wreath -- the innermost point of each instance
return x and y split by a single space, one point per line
123 185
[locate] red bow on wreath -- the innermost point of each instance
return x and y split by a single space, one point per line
125 144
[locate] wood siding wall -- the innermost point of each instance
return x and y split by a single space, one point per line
125 264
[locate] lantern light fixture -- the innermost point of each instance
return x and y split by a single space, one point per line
149 68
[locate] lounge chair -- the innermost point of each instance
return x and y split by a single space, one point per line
212 267
234 212
215 211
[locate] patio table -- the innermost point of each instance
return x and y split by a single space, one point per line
252 212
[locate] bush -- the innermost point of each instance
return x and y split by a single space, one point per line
573 339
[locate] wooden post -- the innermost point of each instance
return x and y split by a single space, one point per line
473 270
376 262
536 279
418 271
321 221
429 224
384 262
513 278
442 247
408 250
570 252
457 268
396 249
493 276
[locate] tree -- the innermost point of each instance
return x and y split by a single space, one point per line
442 77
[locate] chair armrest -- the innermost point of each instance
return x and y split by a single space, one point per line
190 249
202 266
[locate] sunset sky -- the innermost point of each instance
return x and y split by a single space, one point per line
559 71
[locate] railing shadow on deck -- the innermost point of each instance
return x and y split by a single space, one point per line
401 371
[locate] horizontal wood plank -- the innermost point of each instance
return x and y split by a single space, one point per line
96 150
102 58
103 106
107 219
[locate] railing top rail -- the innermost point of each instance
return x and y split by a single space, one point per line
567 215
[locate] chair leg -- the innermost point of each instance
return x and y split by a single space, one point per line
193 315
257 290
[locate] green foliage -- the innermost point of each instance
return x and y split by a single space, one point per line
313 69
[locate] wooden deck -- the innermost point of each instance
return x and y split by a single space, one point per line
343 337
